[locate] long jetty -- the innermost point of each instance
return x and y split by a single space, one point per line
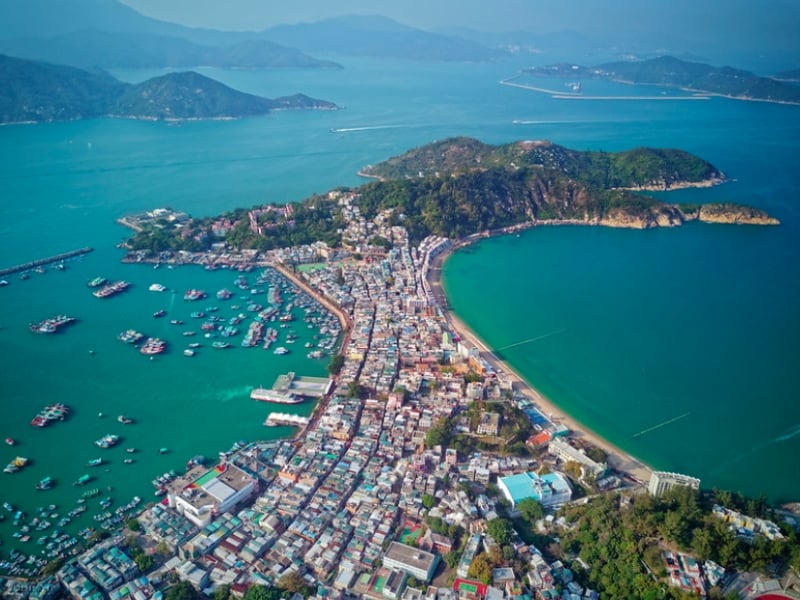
45 261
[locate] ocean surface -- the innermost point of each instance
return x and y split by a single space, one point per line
680 346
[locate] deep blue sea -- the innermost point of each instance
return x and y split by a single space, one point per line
641 326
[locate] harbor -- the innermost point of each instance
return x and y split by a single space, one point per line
130 431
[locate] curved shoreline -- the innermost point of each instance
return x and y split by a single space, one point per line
618 459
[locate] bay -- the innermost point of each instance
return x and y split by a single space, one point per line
656 324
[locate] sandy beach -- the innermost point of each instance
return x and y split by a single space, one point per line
618 459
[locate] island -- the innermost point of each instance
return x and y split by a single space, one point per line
671 72
461 187
41 92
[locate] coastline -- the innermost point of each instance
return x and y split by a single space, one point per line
618 459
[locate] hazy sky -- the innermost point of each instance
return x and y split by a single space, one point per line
691 18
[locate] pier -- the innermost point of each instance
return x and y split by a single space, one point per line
309 387
45 261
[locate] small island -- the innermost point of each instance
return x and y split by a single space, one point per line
671 72
461 187
41 92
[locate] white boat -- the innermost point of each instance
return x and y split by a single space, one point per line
157 287
281 350
267 395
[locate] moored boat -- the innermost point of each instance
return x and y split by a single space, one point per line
157 287
95 462
83 480
52 324
97 282
107 441
124 420
111 290
130 336
153 346
194 294
10 441
267 395
45 484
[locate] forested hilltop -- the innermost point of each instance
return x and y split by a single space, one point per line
40 92
461 186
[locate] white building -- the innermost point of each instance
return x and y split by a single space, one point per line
212 493
662 481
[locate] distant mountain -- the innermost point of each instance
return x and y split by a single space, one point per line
672 72
379 37
35 92
109 34
92 48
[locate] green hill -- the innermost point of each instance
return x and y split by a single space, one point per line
35 91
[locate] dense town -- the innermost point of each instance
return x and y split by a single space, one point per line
427 472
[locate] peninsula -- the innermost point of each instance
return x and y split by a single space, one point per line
460 187
671 72
28 96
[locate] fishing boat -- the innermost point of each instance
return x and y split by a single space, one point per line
107 441
163 450
157 287
128 461
159 313
45 484
153 346
10 441
83 480
97 282
124 420
130 336
130 450
52 324
95 462
220 345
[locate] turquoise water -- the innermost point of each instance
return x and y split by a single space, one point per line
701 319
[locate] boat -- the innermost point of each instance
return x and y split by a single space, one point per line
153 346
52 324
130 336
188 352
157 287
10 441
50 413
95 462
83 480
107 441
194 294
194 345
176 321
267 395
220 345
159 313
128 461
130 450
124 420
195 461
45 484
281 350
9 507
111 290
224 294
163 450
97 282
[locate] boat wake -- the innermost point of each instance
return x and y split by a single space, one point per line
368 128
233 393
792 433
533 339
660 425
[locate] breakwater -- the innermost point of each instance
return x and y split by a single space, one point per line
45 261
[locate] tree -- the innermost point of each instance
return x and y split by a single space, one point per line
223 592
336 364
530 509
143 561
181 591
500 529
293 582
133 525
163 549
261 592
428 501
481 568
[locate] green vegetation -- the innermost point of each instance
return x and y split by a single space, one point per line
35 91
468 187
675 73
613 539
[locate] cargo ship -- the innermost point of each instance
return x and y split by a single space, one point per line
267 395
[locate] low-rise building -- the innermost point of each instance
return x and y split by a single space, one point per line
549 490
412 560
